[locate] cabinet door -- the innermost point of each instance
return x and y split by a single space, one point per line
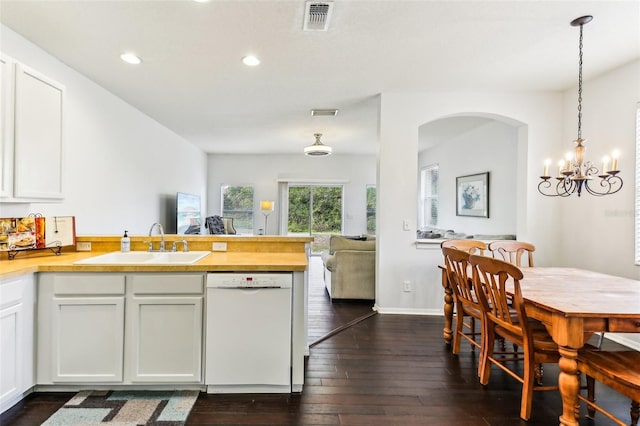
88 336
164 339
16 339
10 351
6 125
38 135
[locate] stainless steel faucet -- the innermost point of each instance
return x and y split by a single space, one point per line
161 236
185 246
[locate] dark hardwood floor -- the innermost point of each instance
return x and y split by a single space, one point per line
384 370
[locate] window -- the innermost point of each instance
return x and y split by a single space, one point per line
315 210
237 202
371 209
429 196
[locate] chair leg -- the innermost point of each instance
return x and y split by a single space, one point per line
635 412
527 387
459 330
485 353
591 396
472 332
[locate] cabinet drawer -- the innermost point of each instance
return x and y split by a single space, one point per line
11 292
84 284
167 283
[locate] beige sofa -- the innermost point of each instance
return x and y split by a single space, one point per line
350 268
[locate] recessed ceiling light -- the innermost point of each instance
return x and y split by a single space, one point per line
201 1
131 58
250 60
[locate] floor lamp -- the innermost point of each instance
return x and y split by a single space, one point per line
266 207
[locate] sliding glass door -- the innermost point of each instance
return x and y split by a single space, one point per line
315 210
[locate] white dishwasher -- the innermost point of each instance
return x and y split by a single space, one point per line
248 334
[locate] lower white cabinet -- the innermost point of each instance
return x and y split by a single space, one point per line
164 328
119 328
16 339
87 320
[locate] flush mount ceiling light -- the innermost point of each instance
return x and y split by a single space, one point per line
576 173
250 61
131 58
318 148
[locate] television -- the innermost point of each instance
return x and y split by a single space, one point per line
188 217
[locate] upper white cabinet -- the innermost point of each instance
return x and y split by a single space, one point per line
38 135
32 134
7 78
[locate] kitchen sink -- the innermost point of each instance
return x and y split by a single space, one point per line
145 258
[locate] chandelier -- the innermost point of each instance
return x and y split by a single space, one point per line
574 173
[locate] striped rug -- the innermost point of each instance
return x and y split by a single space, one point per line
125 408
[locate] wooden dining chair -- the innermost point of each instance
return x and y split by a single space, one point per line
497 284
512 251
470 246
465 299
618 370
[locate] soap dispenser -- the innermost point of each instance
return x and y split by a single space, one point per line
125 243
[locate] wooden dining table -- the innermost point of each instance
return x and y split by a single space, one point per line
573 304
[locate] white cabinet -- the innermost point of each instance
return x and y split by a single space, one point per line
32 126
7 78
120 328
87 324
164 328
16 339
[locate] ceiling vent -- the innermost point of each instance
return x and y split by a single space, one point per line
324 112
317 15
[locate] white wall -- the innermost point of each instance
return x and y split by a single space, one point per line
599 232
122 168
401 114
595 233
491 148
263 172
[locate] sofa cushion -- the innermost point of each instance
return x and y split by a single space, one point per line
338 242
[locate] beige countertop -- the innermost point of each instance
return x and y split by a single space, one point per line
45 261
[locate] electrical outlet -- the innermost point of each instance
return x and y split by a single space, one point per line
83 246
405 225
219 246
406 286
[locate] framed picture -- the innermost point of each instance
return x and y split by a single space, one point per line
472 195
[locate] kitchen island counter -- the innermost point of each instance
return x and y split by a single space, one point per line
244 253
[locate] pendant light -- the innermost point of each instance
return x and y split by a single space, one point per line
574 173
318 148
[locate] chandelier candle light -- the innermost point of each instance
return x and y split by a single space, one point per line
266 207
574 173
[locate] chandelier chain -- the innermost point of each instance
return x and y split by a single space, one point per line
577 174
580 87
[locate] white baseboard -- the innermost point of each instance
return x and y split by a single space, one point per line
408 311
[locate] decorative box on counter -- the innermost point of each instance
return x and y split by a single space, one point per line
35 232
